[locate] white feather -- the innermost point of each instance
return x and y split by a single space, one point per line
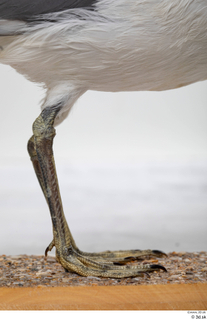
10 27
125 45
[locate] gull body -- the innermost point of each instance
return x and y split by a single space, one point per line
107 45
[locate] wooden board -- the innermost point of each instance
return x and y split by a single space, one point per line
144 297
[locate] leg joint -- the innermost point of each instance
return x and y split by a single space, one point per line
31 148
43 125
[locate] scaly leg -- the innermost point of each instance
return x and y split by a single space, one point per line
67 253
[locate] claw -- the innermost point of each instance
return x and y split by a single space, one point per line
157 267
46 251
49 248
159 253
130 259
118 264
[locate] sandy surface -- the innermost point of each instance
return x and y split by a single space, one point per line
33 271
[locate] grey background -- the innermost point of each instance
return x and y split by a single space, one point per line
132 169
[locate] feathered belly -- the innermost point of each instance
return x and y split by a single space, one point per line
116 55
108 68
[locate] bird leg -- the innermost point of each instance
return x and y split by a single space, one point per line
104 264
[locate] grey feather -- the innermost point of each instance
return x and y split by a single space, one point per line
27 10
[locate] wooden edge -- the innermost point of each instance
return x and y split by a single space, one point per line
144 297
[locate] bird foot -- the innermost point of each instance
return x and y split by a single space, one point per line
108 264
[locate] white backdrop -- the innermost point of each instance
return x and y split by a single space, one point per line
132 169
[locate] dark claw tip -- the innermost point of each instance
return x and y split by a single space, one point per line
159 253
130 258
46 251
158 267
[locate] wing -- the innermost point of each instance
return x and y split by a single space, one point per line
26 10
